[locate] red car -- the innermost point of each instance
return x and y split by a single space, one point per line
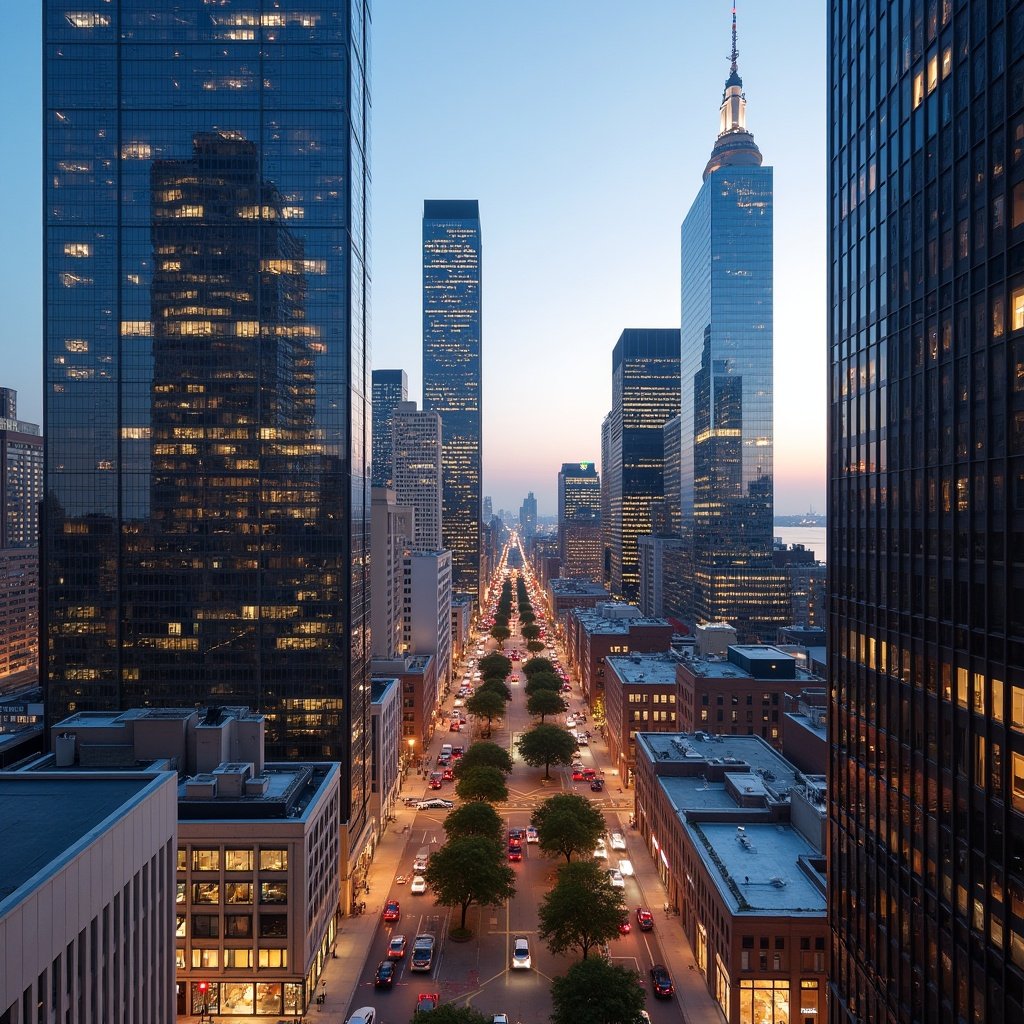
454 726
427 1001
590 773
435 780
515 851
456 753
448 775
624 926
392 911
645 919
577 775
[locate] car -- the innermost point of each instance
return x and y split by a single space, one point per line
515 851
600 853
392 910
570 721
625 867
582 739
423 952
384 976
434 803
457 752
458 702
364 1015
419 865
500 1018
396 947
443 760
618 841
615 877
435 780
418 886
597 785
515 833
645 919
521 953
624 925
454 725
589 773
531 835
577 775
426 1001
448 775
577 766
662 982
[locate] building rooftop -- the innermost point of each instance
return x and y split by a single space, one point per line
574 586
653 669
379 687
209 717
43 819
714 667
758 867
284 790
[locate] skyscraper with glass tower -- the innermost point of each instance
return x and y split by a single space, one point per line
726 476
390 388
205 532
926 510
452 334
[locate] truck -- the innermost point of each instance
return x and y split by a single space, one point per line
423 952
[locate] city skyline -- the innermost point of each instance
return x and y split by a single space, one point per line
661 122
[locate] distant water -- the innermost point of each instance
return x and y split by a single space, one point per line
812 537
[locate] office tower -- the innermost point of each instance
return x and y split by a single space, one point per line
21 491
389 388
672 459
528 516
427 609
726 476
579 492
416 443
391 527
926 492
207 369
645 393
488 510
606 500
579 521
452 325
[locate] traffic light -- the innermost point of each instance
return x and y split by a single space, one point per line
203 986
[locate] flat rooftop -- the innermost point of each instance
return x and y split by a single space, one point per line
717 668
291 788
652 669
575 587
812 723
42 818
379 686
757 870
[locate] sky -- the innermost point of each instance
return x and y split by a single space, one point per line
583 128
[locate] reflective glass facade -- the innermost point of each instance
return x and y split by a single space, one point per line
452 335
645 394
207 366
579 501
389 388
726 475
926 510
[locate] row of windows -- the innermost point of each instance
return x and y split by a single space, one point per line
212 894
234 959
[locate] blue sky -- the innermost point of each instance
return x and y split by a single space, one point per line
582 126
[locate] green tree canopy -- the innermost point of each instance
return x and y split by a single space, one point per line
545 702
482 783
476 818
484 753
500 633
496 685
527 617
494 664
530 631
535 665
533 646
543 681
468 870
582 910
449 1013
486 704
546 744
568 824
597 992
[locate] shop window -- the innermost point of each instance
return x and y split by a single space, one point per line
764 1001
236 998
207 1001
268 999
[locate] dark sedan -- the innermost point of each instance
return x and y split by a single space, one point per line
385 975
663 987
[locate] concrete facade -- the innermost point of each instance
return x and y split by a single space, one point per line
427 609
386 744
391 527
420 698
416 440
563 594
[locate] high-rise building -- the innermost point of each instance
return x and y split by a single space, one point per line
207 369
452 338
416 441
427 609
926 511
645 393
21 492
391 526
488 509
389 388
672 461
726 476
579 492
528 516
579 521
606 500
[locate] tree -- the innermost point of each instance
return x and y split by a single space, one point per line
535 665
583 909
449 1013
533 646
494 664
486 704
546 745
484 753
596 992
482 783
530 631
543 681
474 819
468 870
545 702
496 685
526 614
568 824
500 633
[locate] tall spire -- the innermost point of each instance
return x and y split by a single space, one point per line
735 144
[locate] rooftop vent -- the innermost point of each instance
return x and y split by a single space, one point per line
779 882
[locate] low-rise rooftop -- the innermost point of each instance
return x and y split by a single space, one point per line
652 669
575 586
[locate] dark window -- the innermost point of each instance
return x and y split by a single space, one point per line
205 926
273 926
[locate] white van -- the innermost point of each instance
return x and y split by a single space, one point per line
446 750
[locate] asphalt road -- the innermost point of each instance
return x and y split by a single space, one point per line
478 972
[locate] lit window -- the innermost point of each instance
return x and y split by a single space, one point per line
80 250
1017 307
918 89
87 19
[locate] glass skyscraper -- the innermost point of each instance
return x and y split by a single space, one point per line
726 476
205 533
926 510
390 387
645 394
452 326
